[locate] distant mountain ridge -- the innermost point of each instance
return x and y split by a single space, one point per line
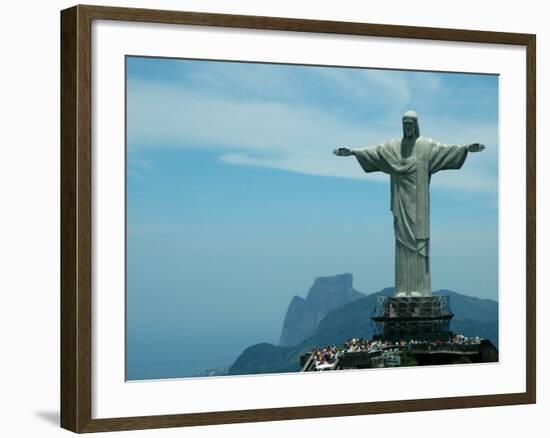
473 317
303 315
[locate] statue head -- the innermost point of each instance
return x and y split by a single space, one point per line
410 125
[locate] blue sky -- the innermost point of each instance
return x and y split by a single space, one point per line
235 202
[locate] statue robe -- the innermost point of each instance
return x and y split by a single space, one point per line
410 203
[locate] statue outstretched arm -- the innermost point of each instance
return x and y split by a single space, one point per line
446 157
372 159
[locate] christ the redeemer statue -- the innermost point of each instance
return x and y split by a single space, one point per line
410 162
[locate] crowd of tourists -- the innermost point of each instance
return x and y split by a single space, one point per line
325 358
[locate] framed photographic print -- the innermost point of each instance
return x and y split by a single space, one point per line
254 208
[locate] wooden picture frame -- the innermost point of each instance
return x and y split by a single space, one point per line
76 217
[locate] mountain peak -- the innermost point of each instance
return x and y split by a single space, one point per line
326 294
345 280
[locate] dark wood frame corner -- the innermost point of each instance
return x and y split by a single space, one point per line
76 221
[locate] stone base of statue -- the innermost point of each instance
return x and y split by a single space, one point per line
421 318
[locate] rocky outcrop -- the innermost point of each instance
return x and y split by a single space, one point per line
303 315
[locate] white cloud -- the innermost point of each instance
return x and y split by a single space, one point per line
296 138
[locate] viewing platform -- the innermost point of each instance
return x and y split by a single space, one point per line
360 354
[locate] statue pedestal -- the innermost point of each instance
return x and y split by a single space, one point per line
412 318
